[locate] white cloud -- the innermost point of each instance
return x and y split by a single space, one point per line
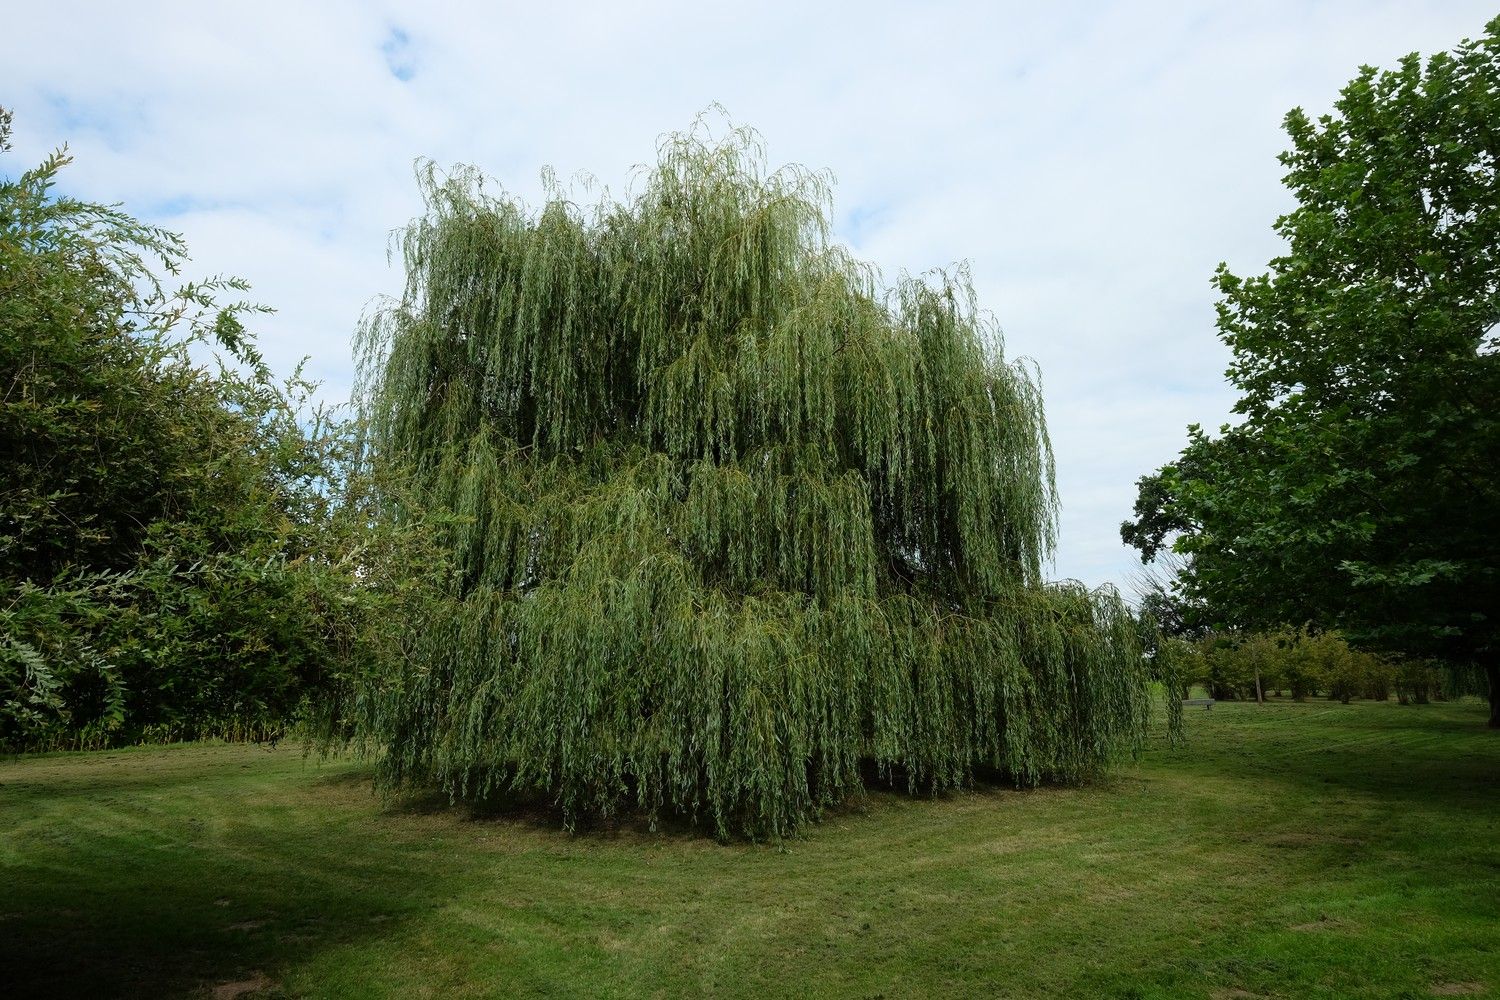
1093 162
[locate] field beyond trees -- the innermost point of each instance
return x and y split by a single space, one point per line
1294 850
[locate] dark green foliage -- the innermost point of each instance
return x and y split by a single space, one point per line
170 563
1360 490
731 523
1418 682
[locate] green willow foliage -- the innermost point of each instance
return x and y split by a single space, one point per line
735 527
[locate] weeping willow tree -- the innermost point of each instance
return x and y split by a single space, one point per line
734 529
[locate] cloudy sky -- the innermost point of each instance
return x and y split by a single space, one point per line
1092 161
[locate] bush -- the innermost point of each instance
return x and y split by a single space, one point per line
1380 680
1418 682
181 548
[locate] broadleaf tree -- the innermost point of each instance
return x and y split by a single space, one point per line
732 528
1359 488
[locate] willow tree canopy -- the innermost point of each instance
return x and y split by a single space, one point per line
736 527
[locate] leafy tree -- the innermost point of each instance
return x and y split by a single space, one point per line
170 562
730 525
1158 592
1359 488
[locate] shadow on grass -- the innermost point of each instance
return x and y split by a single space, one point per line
1439 757
161 891
538 811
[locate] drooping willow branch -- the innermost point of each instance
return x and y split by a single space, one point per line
732 520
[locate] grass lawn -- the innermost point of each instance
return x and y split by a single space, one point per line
1292 850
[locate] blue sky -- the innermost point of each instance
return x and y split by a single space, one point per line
1092 162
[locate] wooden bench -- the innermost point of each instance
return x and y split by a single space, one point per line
1207 703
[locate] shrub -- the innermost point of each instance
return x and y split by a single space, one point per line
1421 681
180 552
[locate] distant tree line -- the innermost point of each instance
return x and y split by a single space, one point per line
1301 664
